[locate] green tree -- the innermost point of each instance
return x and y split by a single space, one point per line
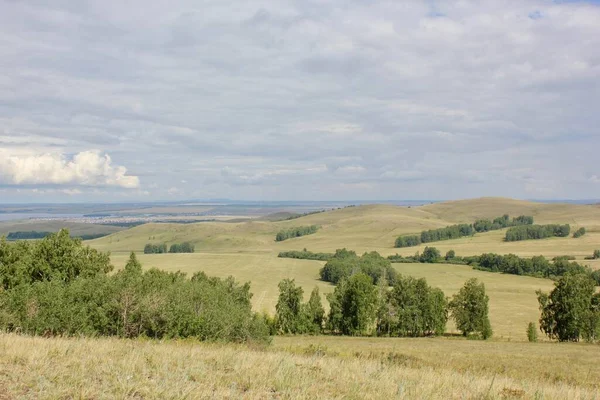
289 307
353 306
430 255
570 311
469 308
450 255
315 312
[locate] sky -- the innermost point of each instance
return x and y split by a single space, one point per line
298 100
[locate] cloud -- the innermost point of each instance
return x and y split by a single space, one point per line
311 100
88 168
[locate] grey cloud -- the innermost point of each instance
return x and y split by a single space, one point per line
311 99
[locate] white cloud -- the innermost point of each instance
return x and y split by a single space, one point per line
88 168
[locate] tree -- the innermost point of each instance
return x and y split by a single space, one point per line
451 254
289 306
571 310
315 312
469 308
430 255
353 306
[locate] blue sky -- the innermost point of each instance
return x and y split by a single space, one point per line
298 100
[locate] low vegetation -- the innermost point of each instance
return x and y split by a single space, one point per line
306 255
59 287
529 232
295 232
579 233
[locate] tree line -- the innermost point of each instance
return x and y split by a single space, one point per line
462 230
528 232
57 286
295 232
306 255
358 307
185 247
30 235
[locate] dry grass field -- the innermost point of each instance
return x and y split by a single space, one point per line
295 368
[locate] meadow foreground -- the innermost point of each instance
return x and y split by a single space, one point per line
295 368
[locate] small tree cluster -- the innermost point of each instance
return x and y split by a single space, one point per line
528 232
184 247
408 241
571 311
346 263
295 317
306 255
155 248
412 308
535 266
579 232
296 232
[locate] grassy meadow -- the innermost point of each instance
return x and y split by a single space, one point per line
295 368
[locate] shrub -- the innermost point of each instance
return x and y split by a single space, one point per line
531 332
430 255
579 233
450 255
306 255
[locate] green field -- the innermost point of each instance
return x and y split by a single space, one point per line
248 251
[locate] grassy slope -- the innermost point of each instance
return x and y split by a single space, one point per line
76 228
295 368
248 251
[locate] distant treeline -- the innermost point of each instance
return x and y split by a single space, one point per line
40 235
461 230
185 247
306 255
345 263
295 232
528 232
485 225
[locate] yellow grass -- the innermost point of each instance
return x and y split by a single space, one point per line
305 369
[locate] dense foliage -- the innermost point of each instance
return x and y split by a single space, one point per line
447 233
469 308
59 287
412 308
485 225
184 247
527 232
155 248
346 263
306 255
353 306
296 232
295 317
408 241
579 232
537 266
571 310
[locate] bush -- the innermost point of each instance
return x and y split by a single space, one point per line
531 332
296 232
430 255
450 255
70 292
579 233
